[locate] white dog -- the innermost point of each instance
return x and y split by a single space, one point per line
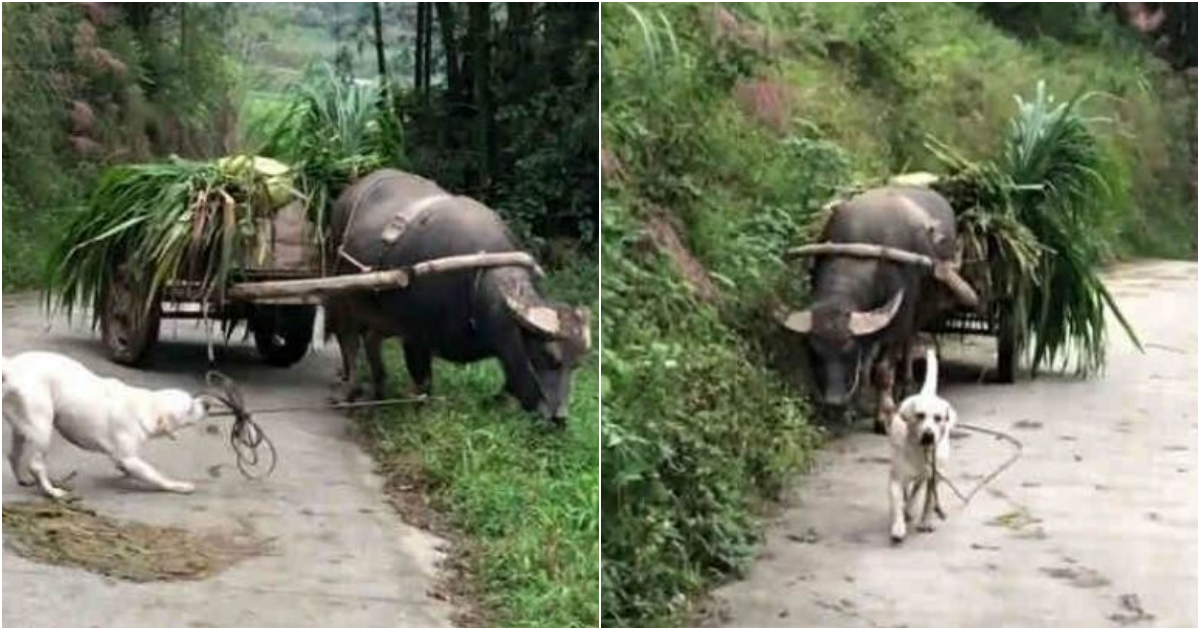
919 432
44 391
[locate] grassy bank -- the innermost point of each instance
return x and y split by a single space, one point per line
725 128
522 499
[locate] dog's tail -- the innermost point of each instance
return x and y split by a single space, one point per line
929 388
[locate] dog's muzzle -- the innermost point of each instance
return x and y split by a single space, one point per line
927 438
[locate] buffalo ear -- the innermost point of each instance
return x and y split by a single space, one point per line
796 321
873 321
535 317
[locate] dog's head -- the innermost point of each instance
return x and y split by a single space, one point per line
176 409
928 418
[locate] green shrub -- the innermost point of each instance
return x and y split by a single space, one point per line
525 497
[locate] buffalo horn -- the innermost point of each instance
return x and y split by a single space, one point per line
543 319
873 321
797 321
585 322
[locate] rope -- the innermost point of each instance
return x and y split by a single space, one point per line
245 437
1016 454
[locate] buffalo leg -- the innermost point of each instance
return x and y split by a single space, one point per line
419 361
374 347
348 344
885 381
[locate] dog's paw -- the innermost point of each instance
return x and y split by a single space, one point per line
58 494
925 527
899 531
182 487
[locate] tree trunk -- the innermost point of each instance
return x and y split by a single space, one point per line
419 49
380 58
427 69
479 34
445 12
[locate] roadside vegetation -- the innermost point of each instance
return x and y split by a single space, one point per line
726 128
523 497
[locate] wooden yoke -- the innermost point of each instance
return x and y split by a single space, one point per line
945 271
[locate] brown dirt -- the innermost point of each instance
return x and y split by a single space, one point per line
665 236
767 101
71 535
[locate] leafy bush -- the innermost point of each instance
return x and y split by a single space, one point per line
696 429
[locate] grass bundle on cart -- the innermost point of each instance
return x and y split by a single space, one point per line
182 231
1035 224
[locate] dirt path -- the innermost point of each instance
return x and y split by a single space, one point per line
341 556
1094 526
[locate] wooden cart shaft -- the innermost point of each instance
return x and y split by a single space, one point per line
374 280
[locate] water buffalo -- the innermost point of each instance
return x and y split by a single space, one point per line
392 219
867 307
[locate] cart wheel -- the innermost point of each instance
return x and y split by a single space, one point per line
128 331
282 334
1006 342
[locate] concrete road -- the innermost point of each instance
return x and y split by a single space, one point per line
341 556
1094 526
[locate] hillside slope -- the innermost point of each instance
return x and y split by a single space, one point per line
724 129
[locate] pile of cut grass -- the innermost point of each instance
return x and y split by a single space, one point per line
70 535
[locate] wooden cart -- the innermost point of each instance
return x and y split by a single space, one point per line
279 286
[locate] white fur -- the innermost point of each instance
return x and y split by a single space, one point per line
44 391
921 414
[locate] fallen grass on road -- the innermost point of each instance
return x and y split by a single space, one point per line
522 498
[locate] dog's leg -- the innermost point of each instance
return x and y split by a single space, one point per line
18 459
38 428
885 380
37 464
910 501
937 501
896 492
926 524
141 470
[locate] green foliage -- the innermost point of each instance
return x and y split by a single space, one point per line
525 496
697 430
514 122
332 131
92 85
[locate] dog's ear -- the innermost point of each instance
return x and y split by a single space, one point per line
164 426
